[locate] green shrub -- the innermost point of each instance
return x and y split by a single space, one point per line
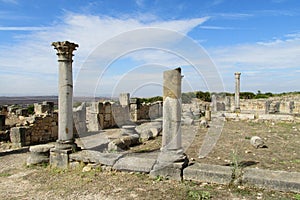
30 109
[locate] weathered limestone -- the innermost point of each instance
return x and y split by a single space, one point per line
128 130
207 113
134 106
79 115
39 154
214 103
155 110
237 92
208 173
123 143
227 103
275 180
124 99
149 130
65 143
22 112
46 107
171 139
20 136
171 160
137 164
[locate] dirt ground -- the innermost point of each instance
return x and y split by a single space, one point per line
20 182
282 140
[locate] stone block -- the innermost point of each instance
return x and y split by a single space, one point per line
39 154
19 136
60 158
275 180
124 99
107 108
169 171
136 164
22 112
107 117
208 173
123 143
90 156
41 148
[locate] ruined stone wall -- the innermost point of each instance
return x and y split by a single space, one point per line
35 130
102 115
44 128
143 111
252 105
283 105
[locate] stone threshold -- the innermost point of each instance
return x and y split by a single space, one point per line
144 163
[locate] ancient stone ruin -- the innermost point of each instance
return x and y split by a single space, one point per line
102 132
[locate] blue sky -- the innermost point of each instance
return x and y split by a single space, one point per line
209 39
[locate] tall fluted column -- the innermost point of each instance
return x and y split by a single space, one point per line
237 92
65 143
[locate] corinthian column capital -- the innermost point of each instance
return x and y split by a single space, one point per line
237 75
64 50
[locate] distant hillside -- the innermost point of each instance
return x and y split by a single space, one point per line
24 100
27 100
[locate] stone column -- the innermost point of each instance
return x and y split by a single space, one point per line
214 103
171 137
237 92
172 160
65 102
124 99
228 103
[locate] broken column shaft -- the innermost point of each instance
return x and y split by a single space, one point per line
171 137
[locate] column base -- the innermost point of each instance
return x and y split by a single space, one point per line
170 164
237 110
59 155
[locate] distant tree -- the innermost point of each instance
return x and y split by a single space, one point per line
261 96
187 97
204 96
269 94
247 95
150 100
30 109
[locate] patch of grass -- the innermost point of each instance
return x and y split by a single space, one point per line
297 196
295 161
198 194
5 174
159 178
247 137
242 192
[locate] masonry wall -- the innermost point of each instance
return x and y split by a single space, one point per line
270 105
44 129
102 115
38 129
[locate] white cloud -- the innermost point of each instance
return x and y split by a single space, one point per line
263 64
10 1
33 52
22 28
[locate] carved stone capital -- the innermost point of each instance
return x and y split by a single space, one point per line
64 50
237 75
